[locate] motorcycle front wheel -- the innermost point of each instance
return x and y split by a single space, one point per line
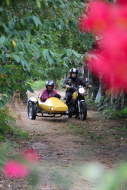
83 111
31 111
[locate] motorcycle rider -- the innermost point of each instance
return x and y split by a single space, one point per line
72 80
49 92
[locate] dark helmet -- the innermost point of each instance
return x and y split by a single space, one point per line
74 70
50 83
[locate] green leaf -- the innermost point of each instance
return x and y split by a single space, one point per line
25 63
76 53
4 97
7 2
36 21
69 52
2 103
1 70
16 58
12 25
30 88
47 55
38 3
2 39
4 58
6 68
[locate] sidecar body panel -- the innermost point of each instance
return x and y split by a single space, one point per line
53 105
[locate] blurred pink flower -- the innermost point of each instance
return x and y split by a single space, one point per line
114 42
111 22
31 155
14 169
119 14
97 18
121 2
112 71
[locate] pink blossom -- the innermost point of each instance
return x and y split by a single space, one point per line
97 18
14 169
122 2
112 60
31 155
119 14
112 71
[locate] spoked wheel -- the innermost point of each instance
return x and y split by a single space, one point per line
31 111
83 111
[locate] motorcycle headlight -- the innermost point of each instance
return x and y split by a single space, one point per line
81 90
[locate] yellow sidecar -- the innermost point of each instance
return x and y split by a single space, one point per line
50 108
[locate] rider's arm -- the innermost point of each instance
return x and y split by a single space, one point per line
65 83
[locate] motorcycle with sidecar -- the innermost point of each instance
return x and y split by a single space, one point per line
50 108
54 107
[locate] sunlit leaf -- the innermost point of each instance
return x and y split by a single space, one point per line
38 3
7 2
69 52
2 39
11 25
36 20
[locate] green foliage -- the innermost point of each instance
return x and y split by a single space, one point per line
113 179
7 151
121 113
115 114
8 127
38 35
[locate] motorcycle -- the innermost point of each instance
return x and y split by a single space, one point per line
77 106
54 107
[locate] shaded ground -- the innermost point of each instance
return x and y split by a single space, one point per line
67 145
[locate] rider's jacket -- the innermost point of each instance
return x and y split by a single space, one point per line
73 82
45 94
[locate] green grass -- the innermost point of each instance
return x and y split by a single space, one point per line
37 85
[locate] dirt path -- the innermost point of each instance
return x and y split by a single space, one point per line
67 145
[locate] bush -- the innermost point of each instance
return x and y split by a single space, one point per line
115 114
7 125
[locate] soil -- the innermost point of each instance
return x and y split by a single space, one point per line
67 145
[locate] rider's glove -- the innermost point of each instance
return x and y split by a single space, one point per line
67 86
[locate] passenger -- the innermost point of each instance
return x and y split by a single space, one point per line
49 92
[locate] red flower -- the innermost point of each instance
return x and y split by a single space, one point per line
14 169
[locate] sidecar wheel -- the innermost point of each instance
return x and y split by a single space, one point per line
31 111
83 111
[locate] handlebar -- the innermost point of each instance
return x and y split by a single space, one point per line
76 88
